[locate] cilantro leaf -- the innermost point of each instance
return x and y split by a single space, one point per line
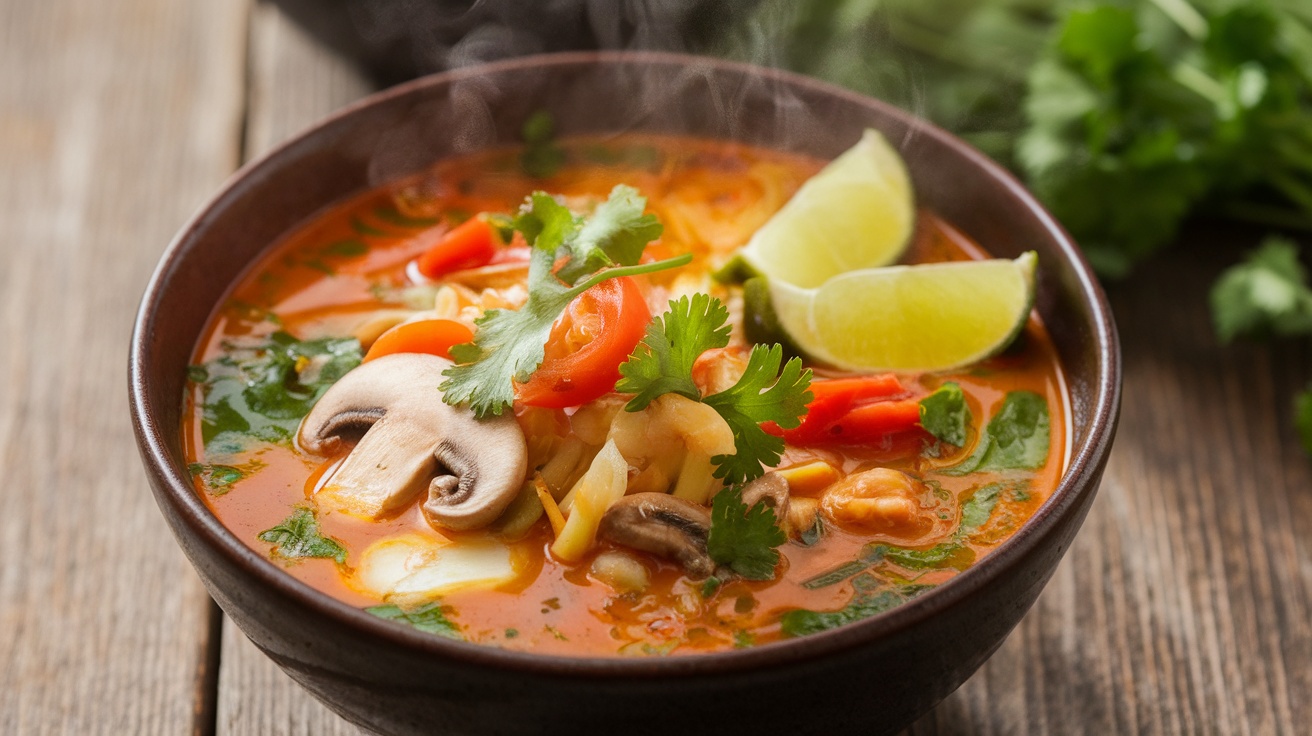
946 554
749 402
744 539
801 622
1267 293
430 618
509 344
945 415
616 234
260 388
663 361
1017 437
976 511
298 536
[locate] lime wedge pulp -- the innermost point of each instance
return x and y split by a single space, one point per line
927 317
856 213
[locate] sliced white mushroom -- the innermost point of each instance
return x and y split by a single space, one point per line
409 440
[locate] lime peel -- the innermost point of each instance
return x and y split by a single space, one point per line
856 213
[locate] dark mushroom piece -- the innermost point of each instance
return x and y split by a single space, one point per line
663 525
772 489
409 439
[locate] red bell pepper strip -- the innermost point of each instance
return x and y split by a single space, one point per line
471 244
597 332
848 411
432 336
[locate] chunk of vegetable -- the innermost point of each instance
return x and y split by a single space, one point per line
603 484
416 568
431 336
471 244
582 358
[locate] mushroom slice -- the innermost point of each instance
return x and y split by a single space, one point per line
408 440
772 489
662 525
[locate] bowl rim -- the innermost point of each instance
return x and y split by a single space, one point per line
1078 479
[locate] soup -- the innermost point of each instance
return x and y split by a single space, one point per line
653 482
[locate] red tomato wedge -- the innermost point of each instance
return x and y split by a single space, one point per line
597 332
432 336
471 244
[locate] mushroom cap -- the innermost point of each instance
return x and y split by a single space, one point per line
409 439
663 525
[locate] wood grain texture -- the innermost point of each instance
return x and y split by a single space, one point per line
293 81
116 120
1185 604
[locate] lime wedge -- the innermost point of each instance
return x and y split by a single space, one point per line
910 318
856 213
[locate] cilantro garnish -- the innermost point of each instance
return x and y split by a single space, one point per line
945 415
298 536
802 622
663 362
262 387
1017 437
509 344
430 618
744 539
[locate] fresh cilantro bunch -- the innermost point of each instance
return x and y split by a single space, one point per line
509 344
1268 294
1139 115
663 362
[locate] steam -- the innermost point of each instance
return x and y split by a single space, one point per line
401 38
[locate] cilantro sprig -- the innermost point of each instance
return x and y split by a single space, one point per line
744 539
662 364
509 344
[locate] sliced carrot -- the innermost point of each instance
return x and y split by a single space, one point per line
432 336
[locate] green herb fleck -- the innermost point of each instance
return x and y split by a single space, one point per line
1016 438
711 586
298 536
945 415
429 618
976 511
742 639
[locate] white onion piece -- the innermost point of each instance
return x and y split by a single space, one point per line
415 568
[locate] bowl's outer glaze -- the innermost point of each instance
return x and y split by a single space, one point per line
872 677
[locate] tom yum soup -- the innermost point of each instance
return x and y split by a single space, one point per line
634 396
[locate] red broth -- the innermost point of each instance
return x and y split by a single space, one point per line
350 262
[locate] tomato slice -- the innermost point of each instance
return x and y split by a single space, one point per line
597 332
432 336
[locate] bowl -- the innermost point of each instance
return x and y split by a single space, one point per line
875 676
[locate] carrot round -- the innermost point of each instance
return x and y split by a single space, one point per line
432 336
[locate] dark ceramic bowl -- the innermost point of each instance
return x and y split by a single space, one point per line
874 676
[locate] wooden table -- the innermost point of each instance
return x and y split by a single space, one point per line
1184 606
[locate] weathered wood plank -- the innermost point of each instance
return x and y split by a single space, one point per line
116 121
1185 604
293 81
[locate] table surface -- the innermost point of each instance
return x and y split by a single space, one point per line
1184 605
